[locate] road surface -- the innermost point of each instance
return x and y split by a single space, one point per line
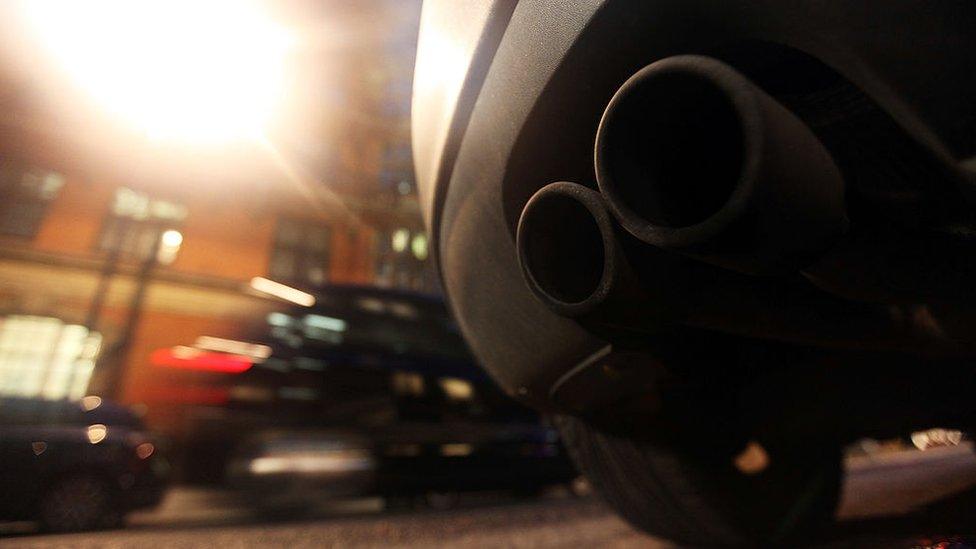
897 483
544 523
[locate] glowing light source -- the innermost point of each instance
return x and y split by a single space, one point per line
172 238
279 319
169 246
932 438
252 350
400 239
282 291
90 402
193 359
180 70
456 389
419 246
97 433
41 357
334 461
325 323
752 460
145 450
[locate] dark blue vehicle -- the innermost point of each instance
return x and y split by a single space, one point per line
369 391
75 465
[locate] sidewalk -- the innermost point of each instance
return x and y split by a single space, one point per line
899 482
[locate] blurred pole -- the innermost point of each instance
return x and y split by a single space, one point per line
113 361
109 267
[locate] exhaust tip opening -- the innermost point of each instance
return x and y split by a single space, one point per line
672 147
563 249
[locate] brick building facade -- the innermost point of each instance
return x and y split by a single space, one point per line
113 246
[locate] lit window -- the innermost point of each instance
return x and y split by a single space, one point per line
401 261
136 205
138 224
400 239
42 357
419 246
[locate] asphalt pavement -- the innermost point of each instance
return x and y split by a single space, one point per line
541 523
914 499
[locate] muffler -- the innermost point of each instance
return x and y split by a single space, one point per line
693 157
570 255
578 262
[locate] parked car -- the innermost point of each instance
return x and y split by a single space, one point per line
76 465
721 239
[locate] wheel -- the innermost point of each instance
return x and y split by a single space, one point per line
707 501
79 503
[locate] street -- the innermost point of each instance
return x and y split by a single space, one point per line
544 523
875 485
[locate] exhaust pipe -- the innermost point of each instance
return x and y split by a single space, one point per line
581 265
578 263
569 252
693 157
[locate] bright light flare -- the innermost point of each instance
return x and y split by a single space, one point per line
172 238
192 71
96 433
169 246
456 389
254 351
282 291
90 402
335 461
194 359
934 438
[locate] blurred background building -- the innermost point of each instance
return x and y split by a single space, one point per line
114 243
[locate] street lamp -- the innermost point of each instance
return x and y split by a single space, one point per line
197 72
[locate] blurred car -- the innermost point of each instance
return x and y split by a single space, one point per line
405 463
721 239
369 391
287 470
75 465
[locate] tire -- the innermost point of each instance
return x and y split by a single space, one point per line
701 502
79 503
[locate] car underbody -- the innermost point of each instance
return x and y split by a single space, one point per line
706 223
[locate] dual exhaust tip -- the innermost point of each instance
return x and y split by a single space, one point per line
691 157
568 248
